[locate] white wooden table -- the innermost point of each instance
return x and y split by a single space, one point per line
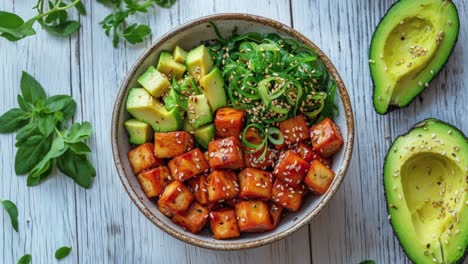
102 224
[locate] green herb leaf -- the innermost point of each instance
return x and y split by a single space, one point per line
57 149
62 252
79 132
26 259
136 33
79 148
31 89
12 211
12 120
64 29
81 8
47 125
26 132
76 167
31 152
25 106
367 262
57 103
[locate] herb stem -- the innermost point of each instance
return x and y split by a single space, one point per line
53 10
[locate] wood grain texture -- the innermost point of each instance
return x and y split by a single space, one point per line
103 226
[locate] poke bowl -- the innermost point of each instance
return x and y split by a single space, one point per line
232 131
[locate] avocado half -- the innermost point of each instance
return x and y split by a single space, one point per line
426 187
411 44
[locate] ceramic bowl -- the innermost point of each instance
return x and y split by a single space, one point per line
188 36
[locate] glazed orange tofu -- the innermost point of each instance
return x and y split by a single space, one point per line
153 181
287 196
199 188
194 219
175 198
142 158
226 153
172 144
276 211
326 138
294 130
308 154
229 122
188 165
290 168
253 216
222 185
255 184
223 224
319 178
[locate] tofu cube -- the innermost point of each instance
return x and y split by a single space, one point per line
229 122
176 198
290 168
222 185
287 196
226 153
253 157
326 138
194 219
253 216
276 212
153 181
308 154
294 130
223 224
172 144
255 184
319 178
188 165
199 188
142 158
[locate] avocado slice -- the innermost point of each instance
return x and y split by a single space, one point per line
139 132
204 135
411 44
426 187
199 62
212 86
169 66
154 82
179 54
199 111
142 106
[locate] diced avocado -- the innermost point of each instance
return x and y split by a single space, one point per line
212 86
425 182
169 66
142 106
411 44
205 134
154 82
179 54
175 100
139 132
187 126
199 62
199 111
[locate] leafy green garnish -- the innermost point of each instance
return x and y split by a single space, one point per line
273 78
12 211
115 26
52 16
42 138
62 252
26 259
369 261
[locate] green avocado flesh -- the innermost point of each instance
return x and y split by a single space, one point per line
426 186
410 46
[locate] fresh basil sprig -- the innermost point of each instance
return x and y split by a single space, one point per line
26 259
12 212
42 138
52 16
62 252
114 24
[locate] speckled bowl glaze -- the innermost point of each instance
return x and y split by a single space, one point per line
188 36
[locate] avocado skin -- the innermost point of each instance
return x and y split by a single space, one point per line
419 124
393 107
